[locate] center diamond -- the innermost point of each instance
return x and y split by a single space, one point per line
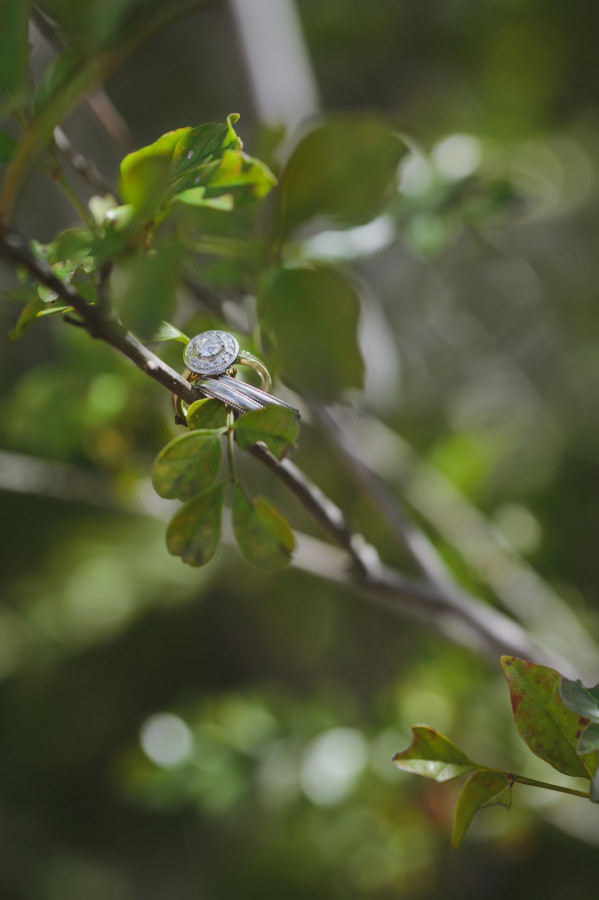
209 345
211 352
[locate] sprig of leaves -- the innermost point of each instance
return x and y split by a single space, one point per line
188 468
549 712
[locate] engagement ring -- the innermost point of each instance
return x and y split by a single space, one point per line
211 359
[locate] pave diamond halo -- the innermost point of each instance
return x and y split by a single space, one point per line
211 352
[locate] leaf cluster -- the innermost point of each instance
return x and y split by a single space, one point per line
553 716
188 467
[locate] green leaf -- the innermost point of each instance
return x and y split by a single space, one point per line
249 178
194 532
483 788
276 426
74 244
168 332
35 309
65 271
188 464
14 49
144 181
196 196
544 722
146 173
312 313
589 740
344 169
581 700
595 788
7 147
207 414
145 290
432 755
264 536
59 72
204 143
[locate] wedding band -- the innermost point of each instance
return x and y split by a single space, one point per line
211 358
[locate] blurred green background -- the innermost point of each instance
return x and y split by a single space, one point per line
223 733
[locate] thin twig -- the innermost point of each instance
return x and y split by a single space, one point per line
405 529
84 166
99 102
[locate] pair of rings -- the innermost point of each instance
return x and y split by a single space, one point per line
210 359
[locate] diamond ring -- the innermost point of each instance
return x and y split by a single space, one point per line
211 359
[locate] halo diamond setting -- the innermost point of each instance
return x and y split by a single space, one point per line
211 352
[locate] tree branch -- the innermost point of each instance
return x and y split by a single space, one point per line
454 614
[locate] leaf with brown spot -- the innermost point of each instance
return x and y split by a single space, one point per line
188 464
194 532
544 722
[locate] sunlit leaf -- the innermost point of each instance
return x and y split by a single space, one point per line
208 413
188 464
204 143
14 50
432 755
276 426
144 181
168 332
580 699
543 721
343 169
263 534
194 532
236 170
483 788
196 196
146 173
313 315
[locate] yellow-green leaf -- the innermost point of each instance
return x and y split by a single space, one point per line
432 755
276 426
188 464
263 534
483 788
194 532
